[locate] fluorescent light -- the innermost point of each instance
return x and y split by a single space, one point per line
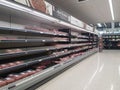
99 25
111 9
112 87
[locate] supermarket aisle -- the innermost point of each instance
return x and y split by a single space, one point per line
98 72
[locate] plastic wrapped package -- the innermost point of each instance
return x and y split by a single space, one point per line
15 76
38 5
59 32
60 39
2 83
9 80
10 64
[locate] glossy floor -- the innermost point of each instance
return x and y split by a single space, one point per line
101 71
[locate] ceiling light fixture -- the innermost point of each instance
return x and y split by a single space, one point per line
99 25
111 9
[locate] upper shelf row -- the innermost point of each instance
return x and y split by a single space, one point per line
20 11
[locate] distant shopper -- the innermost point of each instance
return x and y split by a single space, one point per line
100 45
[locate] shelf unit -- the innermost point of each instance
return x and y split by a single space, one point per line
111 41
35 53
29 13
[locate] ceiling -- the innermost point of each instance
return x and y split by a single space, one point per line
90 11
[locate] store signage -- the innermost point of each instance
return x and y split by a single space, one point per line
112 30
76 22
60 14
89 28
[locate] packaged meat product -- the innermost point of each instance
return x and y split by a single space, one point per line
11 38
41 67
15 76
80 53
62 59
4 66
46 63
61 45
2 38
30 72
72 56
18 77
18 50
11 75
9 80
11 64
14 50
10 51
2 83
38 5
75 33
24 74
19 62
59 32
57 62
118 44
60 39
58 53
38 70
65 58
0 67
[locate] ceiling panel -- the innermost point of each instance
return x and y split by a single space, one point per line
116 5
90 11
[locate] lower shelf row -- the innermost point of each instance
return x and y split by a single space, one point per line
25 72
